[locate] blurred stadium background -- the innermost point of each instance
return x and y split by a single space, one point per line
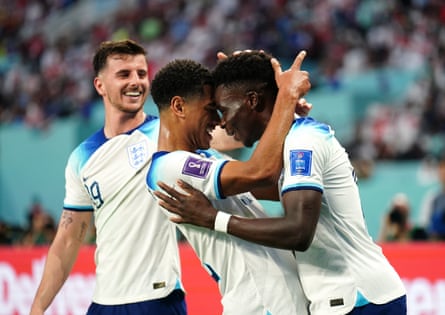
377 69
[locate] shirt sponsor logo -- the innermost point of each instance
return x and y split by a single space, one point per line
300 162
196 167
137 154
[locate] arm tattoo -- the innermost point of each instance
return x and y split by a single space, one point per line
66 219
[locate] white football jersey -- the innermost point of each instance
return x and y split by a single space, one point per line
343 262
252 279
137 256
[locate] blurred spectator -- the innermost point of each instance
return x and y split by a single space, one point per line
41 226
342 38
432 215
5 234
46 73
396 226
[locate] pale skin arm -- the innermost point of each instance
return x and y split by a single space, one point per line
61 257
263 167
295 230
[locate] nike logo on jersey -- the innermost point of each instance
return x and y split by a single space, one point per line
245 200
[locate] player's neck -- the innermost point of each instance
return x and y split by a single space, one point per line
122 123
172 138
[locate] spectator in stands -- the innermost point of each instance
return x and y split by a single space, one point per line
396 226
5 234
35 88
432 214
41 226
360 36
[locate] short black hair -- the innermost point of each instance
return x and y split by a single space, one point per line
180 77
246 69
118 47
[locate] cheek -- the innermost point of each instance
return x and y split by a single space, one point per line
241 118
236 116
229 115
108 89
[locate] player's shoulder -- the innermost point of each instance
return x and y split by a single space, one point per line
311 125
150 127
214 154
173 155
86 148
182 160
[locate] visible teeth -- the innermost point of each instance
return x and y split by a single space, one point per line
133 93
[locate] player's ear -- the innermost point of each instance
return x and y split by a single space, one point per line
252 99
99 86
177 105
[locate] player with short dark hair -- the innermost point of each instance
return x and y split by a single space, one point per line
252 279
137 257
342 270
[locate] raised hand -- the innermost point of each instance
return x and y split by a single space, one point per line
294 80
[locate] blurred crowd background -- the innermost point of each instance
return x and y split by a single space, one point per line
387 57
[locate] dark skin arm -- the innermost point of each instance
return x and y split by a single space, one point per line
223 142
270 192
295 230
266 193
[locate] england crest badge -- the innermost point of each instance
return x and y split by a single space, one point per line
137 154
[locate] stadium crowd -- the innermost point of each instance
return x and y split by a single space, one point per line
46 74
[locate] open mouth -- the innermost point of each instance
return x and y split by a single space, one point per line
133 93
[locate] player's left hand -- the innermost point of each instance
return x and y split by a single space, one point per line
191 207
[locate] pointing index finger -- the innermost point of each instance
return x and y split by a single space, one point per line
299 60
